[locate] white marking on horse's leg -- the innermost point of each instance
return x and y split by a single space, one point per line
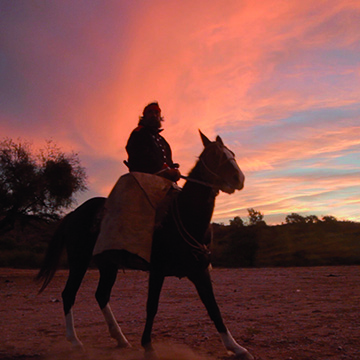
70 330
114 328
234 347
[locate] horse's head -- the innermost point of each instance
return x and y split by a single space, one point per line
220 167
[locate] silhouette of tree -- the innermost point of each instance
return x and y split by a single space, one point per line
255 217
38 185
329 219
294 218
237 222
312 219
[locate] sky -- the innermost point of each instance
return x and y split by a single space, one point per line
279 81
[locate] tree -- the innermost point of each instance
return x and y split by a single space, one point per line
237 222
295 218
329 219
255 217
39 185
312 219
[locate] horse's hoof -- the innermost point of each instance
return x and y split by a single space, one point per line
78 347
124 345
244 356
150 353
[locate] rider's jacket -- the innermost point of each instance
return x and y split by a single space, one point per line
148 151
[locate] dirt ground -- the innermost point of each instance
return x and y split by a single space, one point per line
277 313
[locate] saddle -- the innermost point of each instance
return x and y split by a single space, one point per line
134 208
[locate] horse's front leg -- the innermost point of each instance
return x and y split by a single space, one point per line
156 281
202 282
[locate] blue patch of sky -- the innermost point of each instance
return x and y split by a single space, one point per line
305 173
315 61
341 163
319 72
350 159
328 196
288 128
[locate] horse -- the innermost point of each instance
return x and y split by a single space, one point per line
179 248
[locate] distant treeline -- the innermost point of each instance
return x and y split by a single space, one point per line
25 245
295 243
298 242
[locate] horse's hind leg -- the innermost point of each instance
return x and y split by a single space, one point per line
202 282
108 272
76 275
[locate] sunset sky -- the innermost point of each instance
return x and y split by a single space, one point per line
279 81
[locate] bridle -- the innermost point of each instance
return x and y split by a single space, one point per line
208 170
198 248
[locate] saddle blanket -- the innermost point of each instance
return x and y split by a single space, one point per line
129 216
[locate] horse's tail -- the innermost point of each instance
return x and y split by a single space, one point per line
53 255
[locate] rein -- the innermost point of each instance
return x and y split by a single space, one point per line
195 245
198 249
199 182
187 178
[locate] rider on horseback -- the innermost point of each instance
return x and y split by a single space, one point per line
140 197
148 151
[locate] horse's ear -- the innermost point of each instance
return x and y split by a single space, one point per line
204 139
219 140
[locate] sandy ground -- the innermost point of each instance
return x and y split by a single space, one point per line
282 314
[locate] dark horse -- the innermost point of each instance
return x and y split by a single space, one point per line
179 247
